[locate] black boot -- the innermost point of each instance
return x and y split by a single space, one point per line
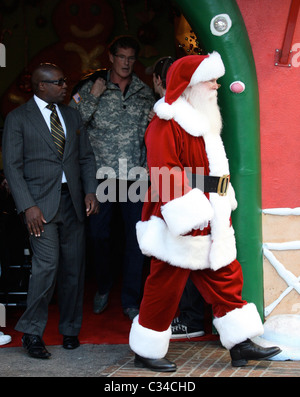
247 350
158 365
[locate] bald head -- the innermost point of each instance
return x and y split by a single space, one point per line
48 83
43 72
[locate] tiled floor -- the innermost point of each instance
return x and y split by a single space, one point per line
205 359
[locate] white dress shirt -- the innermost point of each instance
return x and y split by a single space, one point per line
46 114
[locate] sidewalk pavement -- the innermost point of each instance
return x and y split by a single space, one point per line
193 359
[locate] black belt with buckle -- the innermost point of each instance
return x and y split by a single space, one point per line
212 184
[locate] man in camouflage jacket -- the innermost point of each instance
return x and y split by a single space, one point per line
115 109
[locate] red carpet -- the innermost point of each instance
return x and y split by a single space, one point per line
109 327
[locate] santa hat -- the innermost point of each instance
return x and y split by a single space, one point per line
190 70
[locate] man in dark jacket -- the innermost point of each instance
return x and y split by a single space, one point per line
52 180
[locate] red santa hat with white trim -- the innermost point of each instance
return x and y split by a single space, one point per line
187 72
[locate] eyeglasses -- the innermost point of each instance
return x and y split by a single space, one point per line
59 82
124 58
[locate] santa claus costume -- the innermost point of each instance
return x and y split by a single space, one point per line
186 227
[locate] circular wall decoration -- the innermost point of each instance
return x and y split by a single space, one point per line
220 24
237 87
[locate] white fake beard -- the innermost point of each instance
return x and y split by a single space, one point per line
206 102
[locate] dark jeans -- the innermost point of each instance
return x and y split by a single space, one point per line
100 228
191 307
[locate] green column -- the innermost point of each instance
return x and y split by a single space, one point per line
240 132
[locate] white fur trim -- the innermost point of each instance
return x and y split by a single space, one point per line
163 109
210 68
218 162
239 325
223 250
147 342
188 252
191 211
191 120
231 195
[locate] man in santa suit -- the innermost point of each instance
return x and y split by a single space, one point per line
186 221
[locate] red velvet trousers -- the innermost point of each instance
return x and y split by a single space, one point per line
165 284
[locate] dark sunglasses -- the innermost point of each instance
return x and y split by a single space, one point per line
59 82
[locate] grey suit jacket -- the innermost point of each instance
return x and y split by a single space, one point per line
32 165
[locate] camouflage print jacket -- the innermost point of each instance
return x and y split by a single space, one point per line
117 124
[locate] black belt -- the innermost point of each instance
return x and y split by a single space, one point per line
64 187
210 184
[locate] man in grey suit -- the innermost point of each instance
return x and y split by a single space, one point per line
55 190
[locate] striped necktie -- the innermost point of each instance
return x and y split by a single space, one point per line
57 129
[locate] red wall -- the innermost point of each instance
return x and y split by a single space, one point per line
279 91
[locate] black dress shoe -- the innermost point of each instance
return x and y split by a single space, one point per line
70 342
35 346
159 365
247 350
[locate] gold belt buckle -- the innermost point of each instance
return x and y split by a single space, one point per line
223 185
